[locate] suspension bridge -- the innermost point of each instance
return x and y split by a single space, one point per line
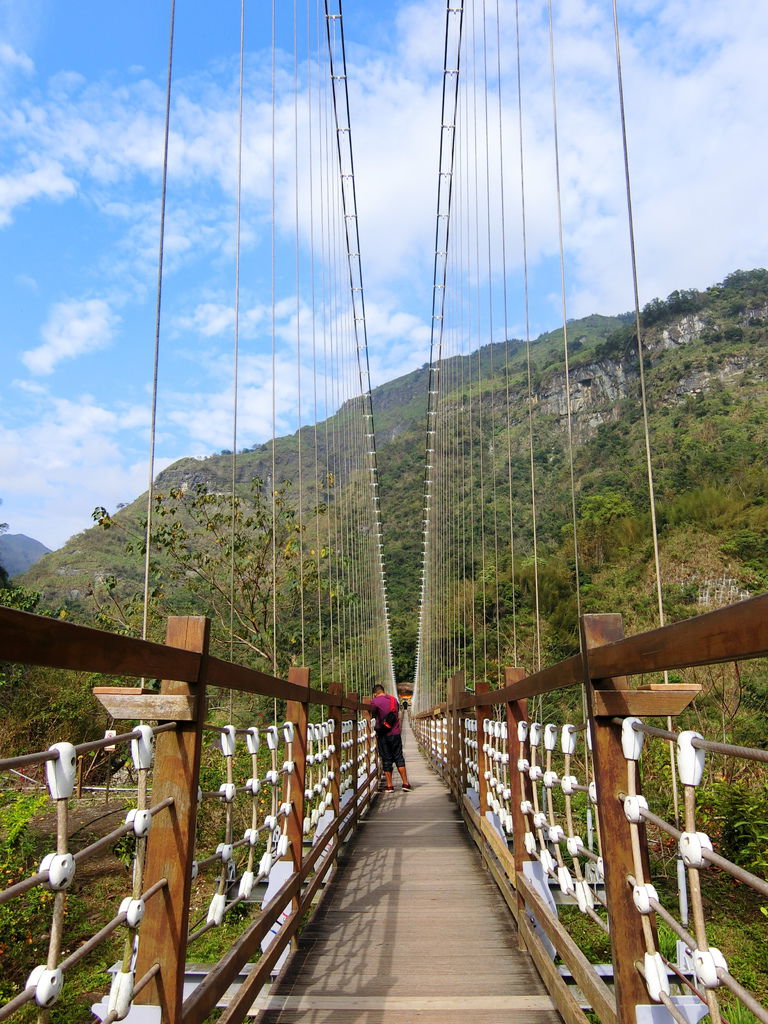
265 838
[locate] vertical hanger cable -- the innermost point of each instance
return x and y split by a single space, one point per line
158 308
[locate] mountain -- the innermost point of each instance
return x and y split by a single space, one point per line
706 363
18 553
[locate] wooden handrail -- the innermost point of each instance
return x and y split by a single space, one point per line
739 631
557 677
31 639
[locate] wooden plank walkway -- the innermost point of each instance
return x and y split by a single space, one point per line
412 928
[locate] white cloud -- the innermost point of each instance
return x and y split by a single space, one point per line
206 417
72 329
46 181
14 59
26 281
58 467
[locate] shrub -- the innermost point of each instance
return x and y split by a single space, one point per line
738 813
24 920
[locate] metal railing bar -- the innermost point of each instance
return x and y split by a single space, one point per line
716 859
743 995
673 1010
91 944
41 756
118 833
649 730
712 746
19 888
23 760
126 737
16 1003
731 750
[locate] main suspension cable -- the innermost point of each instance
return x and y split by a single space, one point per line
454 18
340 95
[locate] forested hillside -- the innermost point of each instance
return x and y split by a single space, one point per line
706 372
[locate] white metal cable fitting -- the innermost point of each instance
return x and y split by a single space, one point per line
690 760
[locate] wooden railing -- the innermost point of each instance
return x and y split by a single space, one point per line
514 781
322 776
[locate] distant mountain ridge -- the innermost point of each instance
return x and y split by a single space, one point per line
19 552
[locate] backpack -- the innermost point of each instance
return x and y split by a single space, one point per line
388 721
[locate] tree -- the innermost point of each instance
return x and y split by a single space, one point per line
599 515
252 575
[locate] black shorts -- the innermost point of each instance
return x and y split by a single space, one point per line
391 751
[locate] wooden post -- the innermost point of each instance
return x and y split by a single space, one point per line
355 750
298 713
370 743
517 711
627 944
482 686
171 841
336 716
452 717
460 740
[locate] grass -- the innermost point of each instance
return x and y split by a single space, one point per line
736 925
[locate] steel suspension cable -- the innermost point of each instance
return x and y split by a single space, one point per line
236 344
273 504
340 95
478 320
505 298
300 504
492 447
638 327
569 417
641 368
314 313
454 17
526 303
158 309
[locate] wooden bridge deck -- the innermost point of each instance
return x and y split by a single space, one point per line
412 928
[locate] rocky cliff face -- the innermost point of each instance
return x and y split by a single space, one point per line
597 388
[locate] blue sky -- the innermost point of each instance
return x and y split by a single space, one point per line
81 114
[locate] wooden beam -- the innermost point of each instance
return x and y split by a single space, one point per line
250 680
171 843
728 634
591 984
36 640
557 677
627 942
517 711
482 715
500 849
472 818
298 713
136 703
454 753
204 998
335 759
329 698
661 700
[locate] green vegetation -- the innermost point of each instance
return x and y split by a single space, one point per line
706 362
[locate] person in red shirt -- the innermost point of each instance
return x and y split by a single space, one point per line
389 739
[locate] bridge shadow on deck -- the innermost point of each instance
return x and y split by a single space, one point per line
412 928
